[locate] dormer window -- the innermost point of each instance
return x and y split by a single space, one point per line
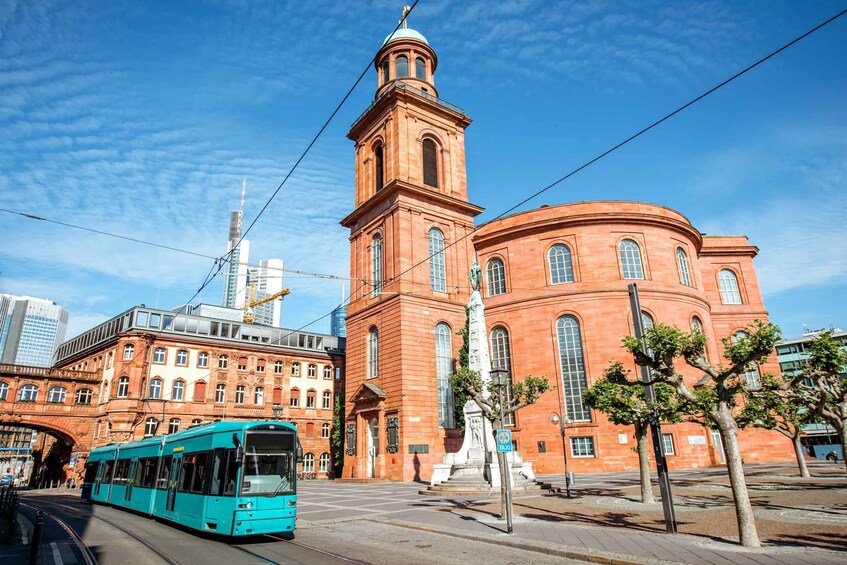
430 163
420 69
401 67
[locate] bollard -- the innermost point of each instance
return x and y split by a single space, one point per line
36 537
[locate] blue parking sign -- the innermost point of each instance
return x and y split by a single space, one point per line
504 441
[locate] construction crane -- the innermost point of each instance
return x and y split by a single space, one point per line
249 317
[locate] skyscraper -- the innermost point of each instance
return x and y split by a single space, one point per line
235 283
30 330
338 319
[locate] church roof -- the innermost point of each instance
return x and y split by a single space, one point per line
405 33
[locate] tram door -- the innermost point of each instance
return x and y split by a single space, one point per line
98 479
130 479
173 484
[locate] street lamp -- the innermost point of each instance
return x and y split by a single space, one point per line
556 419
277 411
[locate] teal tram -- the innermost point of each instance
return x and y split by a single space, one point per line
227 478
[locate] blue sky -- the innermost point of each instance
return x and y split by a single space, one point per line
141 118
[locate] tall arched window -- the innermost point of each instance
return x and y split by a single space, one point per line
378 167
324 463
83 396
682 265
496 277
128 351
220 393
376 264
178 392
430 163
401 67
155 389
561 266
573 368
444 370
385 67
646 320
28 393
420 69
239 394
309 463
56 394
437 276
4 390
123 387
373 353
501 358
259 396
326 400
696 325
223 361
631 260
730 293
173 426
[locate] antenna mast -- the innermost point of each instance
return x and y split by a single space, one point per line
241 208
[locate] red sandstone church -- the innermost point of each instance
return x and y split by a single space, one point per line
555 293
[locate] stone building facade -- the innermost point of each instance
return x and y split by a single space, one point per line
555 291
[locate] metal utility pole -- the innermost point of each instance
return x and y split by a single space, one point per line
655 426
500 377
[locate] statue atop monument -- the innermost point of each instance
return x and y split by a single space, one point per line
475 277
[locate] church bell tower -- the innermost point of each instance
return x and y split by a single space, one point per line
409 261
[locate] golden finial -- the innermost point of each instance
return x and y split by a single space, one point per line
406 10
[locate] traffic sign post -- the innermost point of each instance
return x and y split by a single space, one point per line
504 441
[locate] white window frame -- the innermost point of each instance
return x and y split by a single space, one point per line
495 276
682 266
667 440
632 266
582 450
730 289
560 262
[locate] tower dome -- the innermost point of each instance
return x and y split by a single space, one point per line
406 56
405 33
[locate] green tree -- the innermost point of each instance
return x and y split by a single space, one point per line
461 397
628 406
337 438
716 400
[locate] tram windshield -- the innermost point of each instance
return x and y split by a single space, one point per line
269 464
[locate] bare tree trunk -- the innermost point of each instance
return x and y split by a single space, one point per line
644 463
743 508
842 433
801 457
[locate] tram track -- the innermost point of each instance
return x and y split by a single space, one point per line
87 555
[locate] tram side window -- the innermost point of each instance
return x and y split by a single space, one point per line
194 466
164 473
201 465
121 471
187 472
224 473
90 472
146 472
107 472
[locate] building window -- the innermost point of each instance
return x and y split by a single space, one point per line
173 426
239 394
430 163
202 359
277 367
324 463
696 325
4 391
123 387
260 365
379 168
310 398
582 446
155 389
324 431
667 444
376 264
496 277
294 402
295 369
309 463
646 320
223 361
276 397
573 368
259 396
220 393
150 427
751 375
129 351
501 358
385 67
242 363
437 277
401 67
631 260
178 392
159 355
730 293
182 358
327 400
196 422
312 371
420 69
682 265
327 373
373 353
444 370
83 396
199 391
56 395
561 264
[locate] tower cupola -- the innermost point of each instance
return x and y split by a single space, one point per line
406 56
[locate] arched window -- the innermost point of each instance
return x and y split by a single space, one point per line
277 367
327 372
83 396
631 260
159 355
751 375
373 353
295 369
309 463
430 163
385 67
325 428
376 264
223 361
123 387
277 396
294 402
199 391
437 276
696 325
178 392
129 351
259 396
202 359
444 370
730 293
379 168
573 368
173 426
220 393
310 398
182 357
56 394
646 320
327 400
4 390
682 265
561 265
312 371
501 358
420 69
401 67
239 394
28 393
196 422
155 389
150 427
496 277
324 463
